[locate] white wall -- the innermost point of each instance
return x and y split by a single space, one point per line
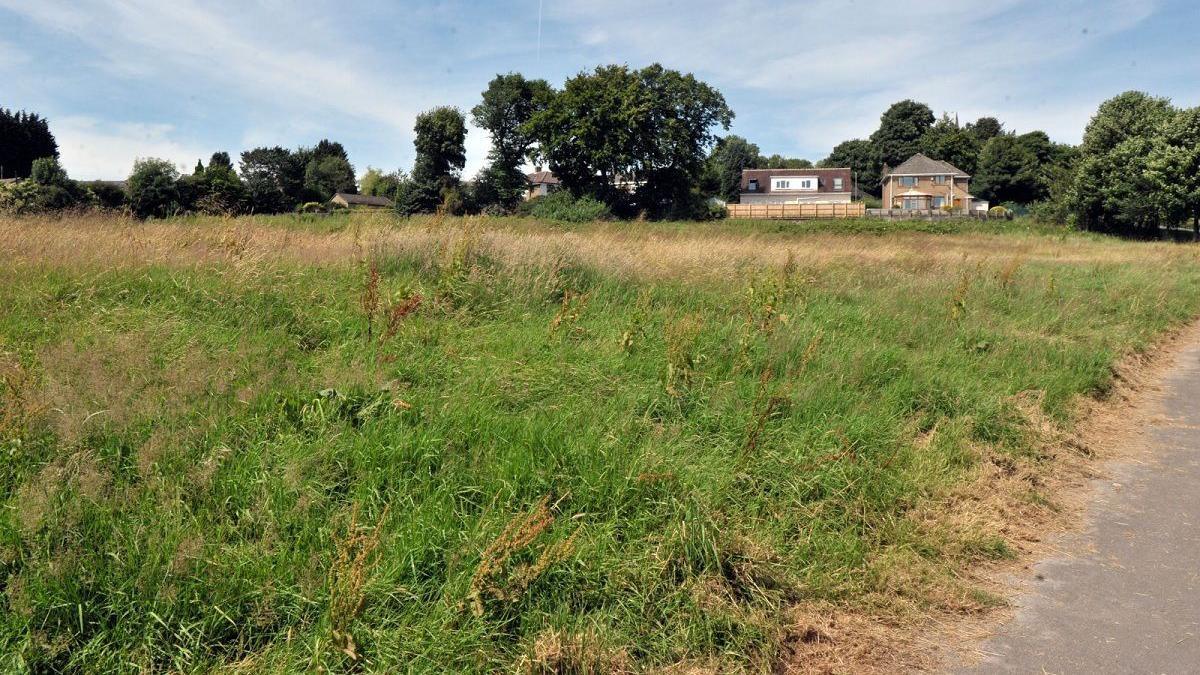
790 198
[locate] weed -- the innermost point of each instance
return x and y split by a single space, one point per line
347 579
369 298
498 577
683 357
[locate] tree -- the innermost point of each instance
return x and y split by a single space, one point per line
217 190
947 142
47 171
375 183
1121 130
53 189
274 179
1173 168
781 162
900 130
859 156
24 137
984 129
1007 172
508 103
614 127
327 176
730 157
441 153
153 188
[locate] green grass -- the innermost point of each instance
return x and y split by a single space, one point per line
212 466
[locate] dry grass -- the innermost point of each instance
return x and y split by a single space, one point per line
247 244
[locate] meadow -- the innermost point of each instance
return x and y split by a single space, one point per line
357 443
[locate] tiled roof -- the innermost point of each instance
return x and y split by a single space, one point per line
542 178
920 165
824 179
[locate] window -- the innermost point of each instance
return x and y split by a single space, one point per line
938 202
806 184
939 180
908 181
837 184
782 184
753 185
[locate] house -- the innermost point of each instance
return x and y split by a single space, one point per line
360 201
540 183
922 183
796 186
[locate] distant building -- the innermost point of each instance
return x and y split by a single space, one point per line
360 201
797 186
540 183
923 184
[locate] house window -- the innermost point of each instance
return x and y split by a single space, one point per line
753 185
938 202
806 184
908 181
782 184
837 184
939 180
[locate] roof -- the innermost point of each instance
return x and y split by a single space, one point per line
920 165
363 200
542 178
824 177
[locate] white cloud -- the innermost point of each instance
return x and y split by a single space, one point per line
91 149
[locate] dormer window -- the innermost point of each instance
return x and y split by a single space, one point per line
753 187
801 183
837 184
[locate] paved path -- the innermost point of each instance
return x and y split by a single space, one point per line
1128 601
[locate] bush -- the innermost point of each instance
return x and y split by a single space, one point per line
154 189
311 207
999 212
108 196
562 206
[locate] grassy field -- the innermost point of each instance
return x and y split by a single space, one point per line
351 443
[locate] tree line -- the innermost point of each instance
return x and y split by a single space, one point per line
644 142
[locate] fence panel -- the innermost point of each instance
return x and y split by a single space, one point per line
796 211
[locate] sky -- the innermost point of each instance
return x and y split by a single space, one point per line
180 79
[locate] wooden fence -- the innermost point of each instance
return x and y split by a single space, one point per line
796 211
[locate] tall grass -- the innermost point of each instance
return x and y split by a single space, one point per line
448 446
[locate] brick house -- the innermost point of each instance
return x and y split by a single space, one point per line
922 183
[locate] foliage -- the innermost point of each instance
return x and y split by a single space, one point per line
508 103
376 183
274 179
860 156
560 205
1173 168
1111 190
780 162
984 129
901 128
946 141
24 137
651 128
153 189
1007 172
328 175
730 157
441 153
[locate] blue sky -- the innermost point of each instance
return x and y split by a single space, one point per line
120 79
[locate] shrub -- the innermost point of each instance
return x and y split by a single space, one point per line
154 189
562 206
108 196
311 207
999 212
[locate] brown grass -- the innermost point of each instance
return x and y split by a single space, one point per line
245 245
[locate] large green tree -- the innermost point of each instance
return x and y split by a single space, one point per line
507 104
274 179
24 137
1112 158
328 175
860 157
440 141
729 158
901 128
985 128
1007 171
947 141
615 127
1173 169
